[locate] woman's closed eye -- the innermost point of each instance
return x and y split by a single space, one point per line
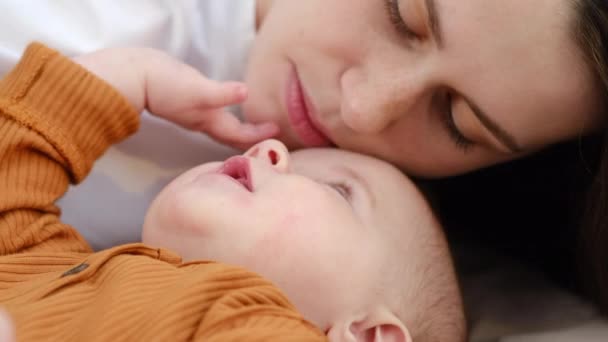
447 118
394 15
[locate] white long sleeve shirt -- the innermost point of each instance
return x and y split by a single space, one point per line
214 36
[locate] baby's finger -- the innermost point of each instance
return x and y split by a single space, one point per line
215 94
252 134
226 128
172 86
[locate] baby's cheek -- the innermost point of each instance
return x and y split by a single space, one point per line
294 255
279 243
276 237
290 239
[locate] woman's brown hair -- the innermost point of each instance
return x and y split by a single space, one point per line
591 32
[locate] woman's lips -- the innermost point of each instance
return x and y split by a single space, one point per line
301 113
237 168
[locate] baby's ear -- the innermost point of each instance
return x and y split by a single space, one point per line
381 326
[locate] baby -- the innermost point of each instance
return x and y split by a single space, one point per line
346 238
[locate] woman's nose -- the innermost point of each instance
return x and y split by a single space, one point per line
272 152
370 105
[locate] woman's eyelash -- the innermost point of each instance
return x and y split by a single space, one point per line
394 15
461 142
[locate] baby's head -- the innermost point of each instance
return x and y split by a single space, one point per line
348 238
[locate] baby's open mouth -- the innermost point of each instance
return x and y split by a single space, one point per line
237 168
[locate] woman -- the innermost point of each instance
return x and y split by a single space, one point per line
439 88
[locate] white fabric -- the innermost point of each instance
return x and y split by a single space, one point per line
212 35
509 302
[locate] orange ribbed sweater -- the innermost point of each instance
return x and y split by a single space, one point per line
56 119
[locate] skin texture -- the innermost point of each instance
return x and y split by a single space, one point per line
379 92
332 215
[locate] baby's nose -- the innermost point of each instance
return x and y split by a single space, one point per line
271 151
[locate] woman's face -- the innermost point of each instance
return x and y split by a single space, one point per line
438 87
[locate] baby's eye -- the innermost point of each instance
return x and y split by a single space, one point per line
342 189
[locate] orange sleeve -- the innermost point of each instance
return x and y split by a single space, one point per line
56 119
265 327
255 313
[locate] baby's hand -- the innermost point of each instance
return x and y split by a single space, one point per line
152 80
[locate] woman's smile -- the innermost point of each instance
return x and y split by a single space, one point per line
301 113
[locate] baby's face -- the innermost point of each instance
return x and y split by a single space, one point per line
325 225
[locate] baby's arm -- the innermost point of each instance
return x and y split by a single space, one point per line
55 120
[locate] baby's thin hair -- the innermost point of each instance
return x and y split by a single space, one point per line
431 306
440 310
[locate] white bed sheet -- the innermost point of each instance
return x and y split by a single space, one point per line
509 302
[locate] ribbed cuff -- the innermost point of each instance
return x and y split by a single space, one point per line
77 112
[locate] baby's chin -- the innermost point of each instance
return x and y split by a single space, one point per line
164 211
163 227
152 229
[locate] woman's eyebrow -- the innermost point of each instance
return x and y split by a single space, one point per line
360 180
